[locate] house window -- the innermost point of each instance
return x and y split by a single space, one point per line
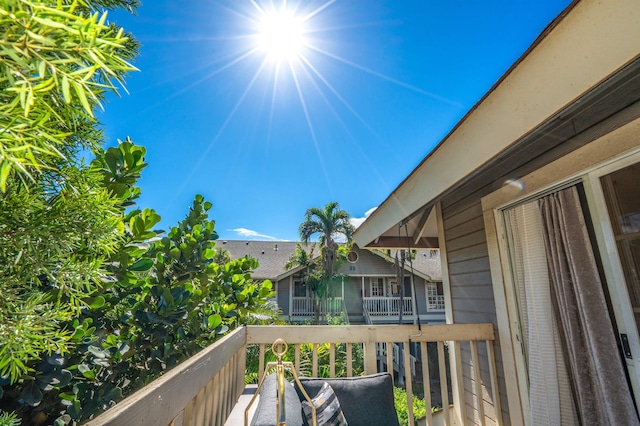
377 287
299 289
435 296
352 257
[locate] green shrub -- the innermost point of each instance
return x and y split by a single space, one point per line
9 419
400 400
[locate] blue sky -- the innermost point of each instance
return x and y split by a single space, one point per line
376 85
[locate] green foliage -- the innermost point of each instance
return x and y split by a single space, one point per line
400 400
326 223
306 357
9 419
57 60
53 240
142 304
94 301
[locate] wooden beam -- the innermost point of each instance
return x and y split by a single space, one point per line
386 242
422 225
294 334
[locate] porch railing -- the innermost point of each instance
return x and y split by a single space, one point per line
304 306
200 391
204 389
381 351
388 306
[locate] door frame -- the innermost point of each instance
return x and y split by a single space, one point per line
573 167
612 266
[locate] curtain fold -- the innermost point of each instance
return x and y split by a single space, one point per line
593 361
550 398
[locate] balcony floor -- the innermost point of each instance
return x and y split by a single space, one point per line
236 418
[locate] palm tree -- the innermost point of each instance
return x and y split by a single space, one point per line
327 223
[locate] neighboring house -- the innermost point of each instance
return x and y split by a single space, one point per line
534 201
367 293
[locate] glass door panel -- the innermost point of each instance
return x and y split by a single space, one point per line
622 195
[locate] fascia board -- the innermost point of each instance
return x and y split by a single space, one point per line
583 48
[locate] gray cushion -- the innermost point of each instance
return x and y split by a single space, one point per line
266 410
365 400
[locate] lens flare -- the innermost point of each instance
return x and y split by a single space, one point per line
515 183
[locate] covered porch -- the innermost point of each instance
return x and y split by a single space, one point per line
205 389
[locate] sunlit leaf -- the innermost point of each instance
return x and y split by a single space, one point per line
142 265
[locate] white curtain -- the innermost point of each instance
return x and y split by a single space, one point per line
550 395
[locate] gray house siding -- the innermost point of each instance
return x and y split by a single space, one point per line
472 294
464 232
367 264
353 296
283 295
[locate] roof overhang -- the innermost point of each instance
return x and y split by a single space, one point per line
581 48
407 267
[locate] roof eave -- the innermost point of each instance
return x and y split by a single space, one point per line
573 54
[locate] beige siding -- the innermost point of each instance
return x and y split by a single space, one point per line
472 294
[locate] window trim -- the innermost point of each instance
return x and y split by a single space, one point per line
383 282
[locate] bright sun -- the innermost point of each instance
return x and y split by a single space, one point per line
281 35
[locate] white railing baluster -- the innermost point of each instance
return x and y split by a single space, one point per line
408 382
426 381
477 381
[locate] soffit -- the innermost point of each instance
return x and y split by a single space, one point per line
560 88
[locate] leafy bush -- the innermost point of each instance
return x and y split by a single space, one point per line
149 302
94 301
400 400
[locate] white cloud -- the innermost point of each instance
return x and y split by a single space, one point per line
249 234
357 221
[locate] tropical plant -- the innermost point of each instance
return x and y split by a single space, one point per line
112 305
94 301
327 224
57 61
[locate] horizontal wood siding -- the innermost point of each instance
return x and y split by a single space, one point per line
472 297
283 295
353 296
421 295
367 264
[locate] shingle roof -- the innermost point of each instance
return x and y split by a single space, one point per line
427 262
273 255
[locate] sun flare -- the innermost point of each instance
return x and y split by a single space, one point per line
281 35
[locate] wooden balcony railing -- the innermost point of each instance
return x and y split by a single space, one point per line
204 389
388 306
304 306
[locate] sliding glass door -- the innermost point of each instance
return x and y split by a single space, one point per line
566 330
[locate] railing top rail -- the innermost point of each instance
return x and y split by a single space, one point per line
295 334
